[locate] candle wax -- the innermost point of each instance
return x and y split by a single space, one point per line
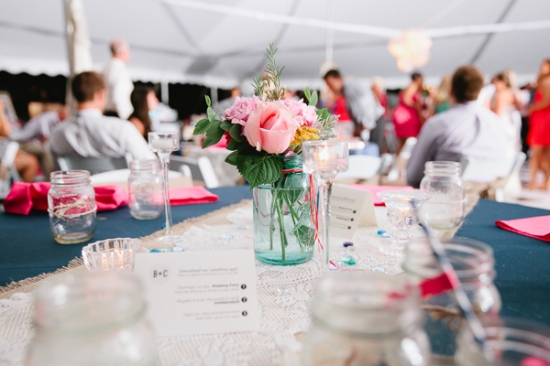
163 144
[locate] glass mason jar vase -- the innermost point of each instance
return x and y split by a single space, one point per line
283 229
72 206
511 341
146 200
91 319
444 211
366 319
474 265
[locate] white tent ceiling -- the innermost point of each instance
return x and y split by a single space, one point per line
177 41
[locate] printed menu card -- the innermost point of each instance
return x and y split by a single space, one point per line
204 292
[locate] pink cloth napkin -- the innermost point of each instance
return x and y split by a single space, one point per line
191 196
24 197
375 189
537 227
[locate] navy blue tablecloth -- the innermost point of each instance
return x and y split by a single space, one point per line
27 248
523 272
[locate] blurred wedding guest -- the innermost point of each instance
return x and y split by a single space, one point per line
466 129
381 98
144 100
503 104
539 128
442 96
36 132
525 96
91 134
356 106
407 114
222 105
26 164
118 81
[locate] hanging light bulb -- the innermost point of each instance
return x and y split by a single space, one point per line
411 49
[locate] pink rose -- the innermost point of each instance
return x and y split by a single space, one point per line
305 114
240 110
271 127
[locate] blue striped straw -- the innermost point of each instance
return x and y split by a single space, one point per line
463 301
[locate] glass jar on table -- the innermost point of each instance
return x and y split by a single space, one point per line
366 319
444 211
473 262
91 320
145 185
72 206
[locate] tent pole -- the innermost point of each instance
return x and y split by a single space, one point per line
164 92
214 95
329 43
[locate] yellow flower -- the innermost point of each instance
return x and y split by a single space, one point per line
303 134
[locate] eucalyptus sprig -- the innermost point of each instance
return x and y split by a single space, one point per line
270 87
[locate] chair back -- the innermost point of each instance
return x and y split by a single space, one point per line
94 165
482 171
8 150
361 167
201 169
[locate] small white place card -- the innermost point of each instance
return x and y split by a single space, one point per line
350 208
199 292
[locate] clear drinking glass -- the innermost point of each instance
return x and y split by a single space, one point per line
366 319
473 263
163 143
445 209
146 183
513 342
401 217
324 159
72 206
91 319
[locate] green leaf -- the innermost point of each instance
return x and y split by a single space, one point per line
314 99
232 158
233 145
236 132
201 126
213 134
226 125
211 114
208 101
259 169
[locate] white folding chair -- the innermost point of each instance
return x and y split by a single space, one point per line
94 165
198 169
361 167
398 170
8 150
120 176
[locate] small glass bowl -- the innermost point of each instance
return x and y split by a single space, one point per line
111 254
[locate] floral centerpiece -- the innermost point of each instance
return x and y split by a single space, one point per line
265 133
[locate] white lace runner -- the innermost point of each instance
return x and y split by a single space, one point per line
283 317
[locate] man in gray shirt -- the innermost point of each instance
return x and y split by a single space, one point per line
467 129
90 133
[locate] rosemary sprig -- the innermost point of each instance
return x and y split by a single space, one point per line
269 87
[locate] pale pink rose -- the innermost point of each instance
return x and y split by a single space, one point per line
271 127
240 110
305 114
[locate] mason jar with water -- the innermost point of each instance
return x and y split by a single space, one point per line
444 211
72 206
146 200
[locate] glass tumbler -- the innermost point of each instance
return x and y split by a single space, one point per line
366 319
145 185
474 265
72 206
444 211
91 319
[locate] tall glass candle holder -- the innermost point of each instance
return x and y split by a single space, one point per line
324 159
163 143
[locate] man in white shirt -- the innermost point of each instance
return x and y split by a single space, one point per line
118 81
90 133
466 129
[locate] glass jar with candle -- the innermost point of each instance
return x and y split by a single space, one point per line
511 341
474 265
444 211
91 319
366 319
146 200
283 229
72 206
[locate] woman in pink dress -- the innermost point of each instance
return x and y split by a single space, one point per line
407 114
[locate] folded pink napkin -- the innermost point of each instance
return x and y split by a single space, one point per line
537 227
375 189
191 196
24 197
